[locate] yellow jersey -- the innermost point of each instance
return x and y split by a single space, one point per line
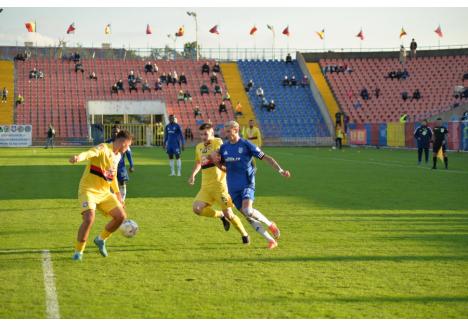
100 174
211 174
253 135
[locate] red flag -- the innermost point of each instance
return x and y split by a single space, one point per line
438 31
253 30
31 27
286 31
71 28
214 30
180 32
148 29
360 35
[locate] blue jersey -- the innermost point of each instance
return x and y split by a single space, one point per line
122 174
240 173
423 135
173 137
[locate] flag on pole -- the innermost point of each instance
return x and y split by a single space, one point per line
438 31
214 30
286 31
253 30
148 29
107 30
402 32
180 32
71 28
31 27
360 35
321 34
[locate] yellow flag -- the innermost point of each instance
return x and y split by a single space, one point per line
440 154
107 30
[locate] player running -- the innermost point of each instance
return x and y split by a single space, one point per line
236 155
99 178
122 174
439 141
173 143
213 188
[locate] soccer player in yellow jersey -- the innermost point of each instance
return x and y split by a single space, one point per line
253 134
214 187
97 181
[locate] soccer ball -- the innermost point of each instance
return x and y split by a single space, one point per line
129 228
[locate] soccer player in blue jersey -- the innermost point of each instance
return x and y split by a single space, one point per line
173 143
236 156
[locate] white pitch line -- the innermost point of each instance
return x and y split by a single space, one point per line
49 285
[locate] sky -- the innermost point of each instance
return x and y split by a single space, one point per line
381 26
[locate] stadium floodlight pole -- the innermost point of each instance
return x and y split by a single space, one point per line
194 15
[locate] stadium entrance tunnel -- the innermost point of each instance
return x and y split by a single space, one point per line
144 119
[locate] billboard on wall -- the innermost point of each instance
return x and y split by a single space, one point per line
358 136
15 135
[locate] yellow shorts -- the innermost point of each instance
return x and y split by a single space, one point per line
104 201
215 195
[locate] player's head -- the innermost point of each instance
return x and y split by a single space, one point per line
206 132
231 130
171 118
439 122
122 141
424 122
251 123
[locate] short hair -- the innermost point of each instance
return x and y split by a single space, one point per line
125 134
439 119
231 124
206 126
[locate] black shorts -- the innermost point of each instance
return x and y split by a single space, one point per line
437 146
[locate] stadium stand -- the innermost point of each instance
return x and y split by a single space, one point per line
434 76
296 117
60 98
7 80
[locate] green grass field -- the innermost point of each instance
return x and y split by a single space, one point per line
365 234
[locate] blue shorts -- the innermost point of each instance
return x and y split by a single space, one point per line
170 150
240 195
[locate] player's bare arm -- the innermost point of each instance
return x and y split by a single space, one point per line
272 162
195 170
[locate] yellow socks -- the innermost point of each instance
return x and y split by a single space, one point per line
105 234
208 211
238 225
80 246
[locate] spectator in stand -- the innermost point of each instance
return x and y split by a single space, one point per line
204 90
288 58
76 57
155 68
163 78
238 109
131 77
22 56
249 86
175 78
149 68
265 103
158 85
260 92
120 85
169 79
132 86
377 92
19 100
286 81
4 95
79 67
216 67
93 76
180 96
464 116
365 94
413 47
138 79
34 73
187 96
348 69
182 79
404 75
114 89
227 97
416 95
465 77
214 78
357 105
188 134
402 55
293 80
404 96
205 69
271 106
305 81
196 112
218 90
222 108
145 86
